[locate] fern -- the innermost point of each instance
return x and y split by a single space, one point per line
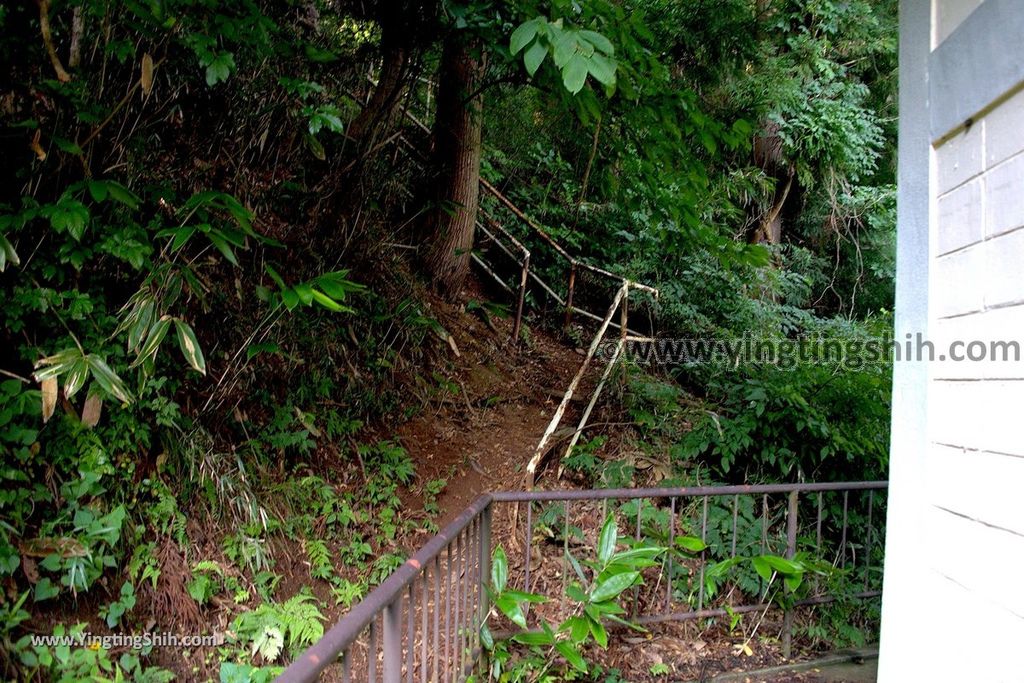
297 622
321 566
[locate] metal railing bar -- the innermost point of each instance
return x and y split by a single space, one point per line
410 649
842 544
460 599
424 659
392 640
764 522
867 549
680 492
741 609
437 619
703 539
321 654
735 518
792 520
371 651
821 496
636 590
671 544
529 544
447 610
565 557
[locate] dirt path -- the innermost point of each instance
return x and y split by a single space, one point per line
481 437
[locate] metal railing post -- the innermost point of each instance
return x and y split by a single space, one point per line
520 299
485 560
791 529
392 641
568 295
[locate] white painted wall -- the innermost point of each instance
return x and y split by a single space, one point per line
953 603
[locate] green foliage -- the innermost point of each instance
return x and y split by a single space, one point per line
576 53
207 579
594 595
821 419
271 629
115 611
320 563
69 663
347 592
198 175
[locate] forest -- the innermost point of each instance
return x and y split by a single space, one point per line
262 339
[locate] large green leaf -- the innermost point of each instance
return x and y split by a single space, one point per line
499 570
598 631
522 36
578 628
108 379
7 254
76 377
520 596
598 41
534 57
690 544
123 194
156 335
218 240
511 609
574 74
603 69
613 585
57 364
607 541
190 346
219 68
571 655
532 638
69 215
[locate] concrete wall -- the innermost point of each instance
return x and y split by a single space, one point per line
953 607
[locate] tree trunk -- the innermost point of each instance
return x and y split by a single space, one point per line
365 128
767 154
457 129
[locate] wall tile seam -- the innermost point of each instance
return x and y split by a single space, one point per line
980 311
983 451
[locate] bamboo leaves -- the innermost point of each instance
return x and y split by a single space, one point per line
190 346
327 290
76 368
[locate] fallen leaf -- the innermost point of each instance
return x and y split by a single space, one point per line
147 74
36 147
65 547
28 565
49 387
91 410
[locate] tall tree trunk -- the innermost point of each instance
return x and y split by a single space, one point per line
457 130
767 154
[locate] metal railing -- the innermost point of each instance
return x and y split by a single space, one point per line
423 622
509 244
